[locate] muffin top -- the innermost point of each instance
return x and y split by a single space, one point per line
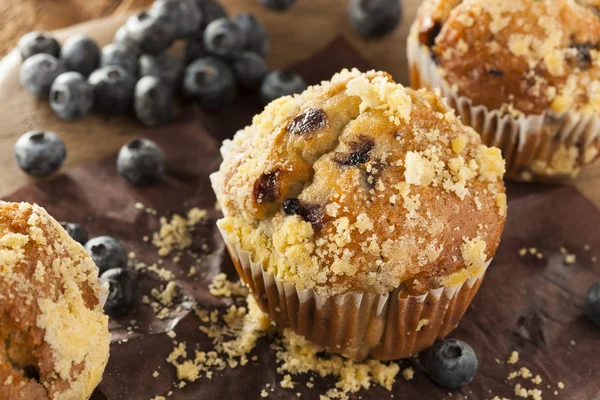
518 56
361 184
54 338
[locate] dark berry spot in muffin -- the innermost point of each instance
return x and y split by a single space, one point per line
31 371
496 72
431 31
583 58
314 214
291 206
309 121
359 154
266 188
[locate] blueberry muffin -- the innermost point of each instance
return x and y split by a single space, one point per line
361 189
524 73
54 338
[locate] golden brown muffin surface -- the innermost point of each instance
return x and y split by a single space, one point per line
54 338
360 184
519 56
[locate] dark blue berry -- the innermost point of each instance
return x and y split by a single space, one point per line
185 14
254 32
211 10
194 49
33 43
152 101
123 291
224 38
113 90
280 83
119 54
372 18
151 33
71 96
123 37
291 206
38 72
40 153
210 81
167 67
249 69
277 5
76 231
140 161
592 304
80 53
451 363
107 252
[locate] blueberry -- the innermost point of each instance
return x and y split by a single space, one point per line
76 231
123 291
451 363
152 101
224 38
80 53
291 206
119 54
371 18
33 43
280 83
40 153
123 37
211 10
194 49
210 81
167 67
185 14
592 304
249 69
107 252
151 33
140 161
255 33
113 90
38 72
277 5
71 96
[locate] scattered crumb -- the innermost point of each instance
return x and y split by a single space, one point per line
155 374
570 259
221 287
514 358
408 373
264 393
561 385
522 253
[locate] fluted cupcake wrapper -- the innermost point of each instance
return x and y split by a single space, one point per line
535 147
358 324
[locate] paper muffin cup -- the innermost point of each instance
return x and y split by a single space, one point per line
547 147
357 324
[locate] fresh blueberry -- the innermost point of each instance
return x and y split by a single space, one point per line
80 53
40 153
592 304
372 18
249 69
277 5
151 33
451 363
153 101
167 67
194 49
113 90
76 231
107 252
255 33
210 81
280 83
71 96
140 161
38 72
38 42
185 14
122 293
211 10
123 37
224 38
119 54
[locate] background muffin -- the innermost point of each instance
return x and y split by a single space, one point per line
359 186
525 74
54 338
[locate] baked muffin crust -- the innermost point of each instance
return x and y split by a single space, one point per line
54 338
360 184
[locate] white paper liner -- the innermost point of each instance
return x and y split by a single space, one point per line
357 324
535 147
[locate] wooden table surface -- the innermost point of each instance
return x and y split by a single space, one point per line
296 34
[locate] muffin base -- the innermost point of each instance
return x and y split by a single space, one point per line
546 147
358 324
